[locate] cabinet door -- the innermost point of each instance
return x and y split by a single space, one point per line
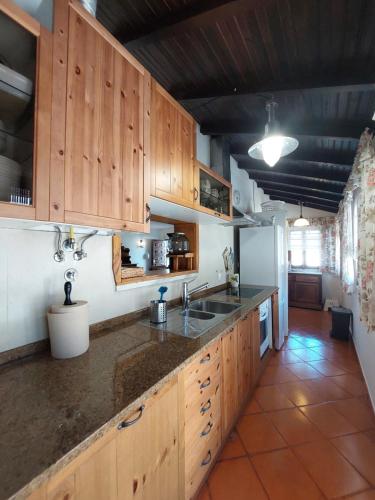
307 293
230 380
147 450
172 146
104 164
244 358
255 343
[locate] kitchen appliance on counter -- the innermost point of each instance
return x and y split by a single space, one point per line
160 251
263 260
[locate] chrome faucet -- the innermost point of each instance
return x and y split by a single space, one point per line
186 293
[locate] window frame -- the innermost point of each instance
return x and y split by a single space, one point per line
304 231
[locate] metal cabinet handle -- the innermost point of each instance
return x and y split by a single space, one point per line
206 383
128 423
148 210
231 329
218 214
207 460
206 407
245 318
196 193
207 429
206 359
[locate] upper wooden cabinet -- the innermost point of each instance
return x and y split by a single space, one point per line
99 167
25 114
213 193
172 149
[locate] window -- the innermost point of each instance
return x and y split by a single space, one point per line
305 246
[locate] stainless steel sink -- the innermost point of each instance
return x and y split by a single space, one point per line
212 306
198 314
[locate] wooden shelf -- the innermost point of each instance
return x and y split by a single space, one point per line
150 276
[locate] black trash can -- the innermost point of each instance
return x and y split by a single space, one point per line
341 323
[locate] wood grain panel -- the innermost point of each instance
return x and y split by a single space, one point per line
230 380
244 358
255 344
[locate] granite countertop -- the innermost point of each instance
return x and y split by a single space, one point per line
53 409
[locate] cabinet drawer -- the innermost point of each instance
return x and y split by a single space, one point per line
208 403
200 438
308 278
201 465
208 358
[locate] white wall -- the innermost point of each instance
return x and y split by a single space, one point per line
250 195
203 147
42 10
364 344
31 280
294 211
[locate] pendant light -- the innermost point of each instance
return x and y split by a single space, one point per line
301 221
274 144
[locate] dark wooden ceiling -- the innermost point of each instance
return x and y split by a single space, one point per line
224 59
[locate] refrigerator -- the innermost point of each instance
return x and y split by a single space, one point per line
264 261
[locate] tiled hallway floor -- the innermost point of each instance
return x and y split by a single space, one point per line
309 430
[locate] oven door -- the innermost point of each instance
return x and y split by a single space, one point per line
265 326
264 340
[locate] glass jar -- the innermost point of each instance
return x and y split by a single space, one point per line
178 243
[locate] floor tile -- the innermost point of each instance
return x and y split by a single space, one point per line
311 342
233 447
332 473
304 371
299 393
351 383
365 495
292 343
294 427
271 398
258 434
359 450
284 358
204 494
329 421
307 354
235 479
357 412
327 390
276 375
327 368
283 477
252 407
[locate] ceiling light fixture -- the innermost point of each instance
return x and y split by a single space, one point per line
274 144
301 221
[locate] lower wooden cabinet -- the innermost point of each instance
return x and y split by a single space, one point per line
230 380
305 290
166 448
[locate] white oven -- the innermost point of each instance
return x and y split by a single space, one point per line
265 327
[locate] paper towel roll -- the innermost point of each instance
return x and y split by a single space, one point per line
69 330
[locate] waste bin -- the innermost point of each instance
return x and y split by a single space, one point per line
341 323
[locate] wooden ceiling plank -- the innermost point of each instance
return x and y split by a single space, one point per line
312 181
313 199
296 201
266 184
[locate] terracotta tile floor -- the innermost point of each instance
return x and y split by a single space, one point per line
309 431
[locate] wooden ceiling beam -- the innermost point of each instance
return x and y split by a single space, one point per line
302 197
284 186
295 201
343 160
205 13
328 129
320 84
302 180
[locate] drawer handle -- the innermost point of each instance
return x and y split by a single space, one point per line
128 423
207 429
196 193
207 460
206 359
245 318
206 407
206 383
231 329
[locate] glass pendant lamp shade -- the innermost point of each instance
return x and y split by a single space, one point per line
301 221
274 144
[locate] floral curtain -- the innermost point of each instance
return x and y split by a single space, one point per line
329 240
363 179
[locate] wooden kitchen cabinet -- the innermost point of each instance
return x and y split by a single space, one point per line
25 115
244 357
172 149
229 404
255 345
100 126
305 290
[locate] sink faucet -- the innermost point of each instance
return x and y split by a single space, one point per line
186 293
